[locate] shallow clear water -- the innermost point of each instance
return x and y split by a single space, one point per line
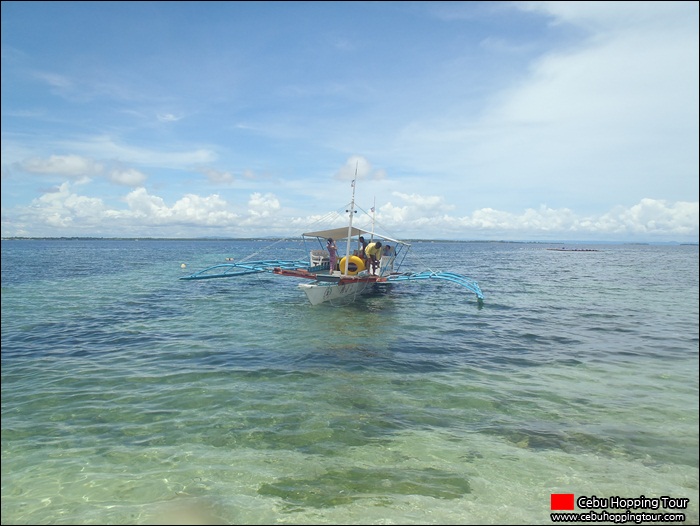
129 396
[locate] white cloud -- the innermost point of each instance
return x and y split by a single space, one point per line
614 113
106 147
649 220
192 210
358 166
653 218
127 177
262 205
54 80
425 204
63 209
64 212
63 165
217 176
168 117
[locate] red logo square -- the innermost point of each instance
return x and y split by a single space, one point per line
562 501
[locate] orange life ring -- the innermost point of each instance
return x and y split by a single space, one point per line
355 265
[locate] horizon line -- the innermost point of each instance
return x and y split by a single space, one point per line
271 238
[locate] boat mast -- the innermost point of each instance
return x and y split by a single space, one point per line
374 205
352 213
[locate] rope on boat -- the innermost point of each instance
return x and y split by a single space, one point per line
267 247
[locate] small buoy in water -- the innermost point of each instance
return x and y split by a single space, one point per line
183 266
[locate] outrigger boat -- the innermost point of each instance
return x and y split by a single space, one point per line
351 278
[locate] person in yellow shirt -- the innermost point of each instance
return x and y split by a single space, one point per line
374 255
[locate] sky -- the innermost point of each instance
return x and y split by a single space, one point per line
517 121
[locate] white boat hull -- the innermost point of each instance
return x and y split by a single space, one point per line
322 292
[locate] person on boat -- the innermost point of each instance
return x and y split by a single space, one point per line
362 246
388 264
374 255
332 253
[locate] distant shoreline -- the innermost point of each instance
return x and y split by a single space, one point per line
574 249
418 240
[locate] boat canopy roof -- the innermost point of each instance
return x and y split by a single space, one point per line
336 233
342 233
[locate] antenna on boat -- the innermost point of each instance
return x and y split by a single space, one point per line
374 207
352 212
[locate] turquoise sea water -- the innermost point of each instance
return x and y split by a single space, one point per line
131 397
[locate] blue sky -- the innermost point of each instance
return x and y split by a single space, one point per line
465 120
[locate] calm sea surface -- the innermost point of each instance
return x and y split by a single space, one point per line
131 397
